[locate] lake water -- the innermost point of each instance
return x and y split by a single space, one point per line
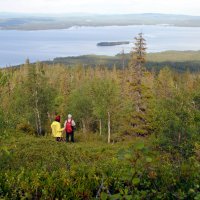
16 46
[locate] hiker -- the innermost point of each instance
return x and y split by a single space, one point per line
69 128
56 129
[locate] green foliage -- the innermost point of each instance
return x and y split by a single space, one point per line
25 128
92 169
164 164
92 101
174 120
33 99
105 98
39 96
80 104
2 120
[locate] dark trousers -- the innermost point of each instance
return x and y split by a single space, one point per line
68 135
58 139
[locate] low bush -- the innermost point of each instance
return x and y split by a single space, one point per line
40 168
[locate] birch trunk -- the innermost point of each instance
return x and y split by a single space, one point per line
84 126
100 127
108 127
36 122
38 118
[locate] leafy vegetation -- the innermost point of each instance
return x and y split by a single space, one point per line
92 169
137 132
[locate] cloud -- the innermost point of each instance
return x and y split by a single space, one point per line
191 7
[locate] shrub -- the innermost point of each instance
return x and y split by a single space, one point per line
25 128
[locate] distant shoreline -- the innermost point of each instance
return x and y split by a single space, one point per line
89 26
37 22
159 57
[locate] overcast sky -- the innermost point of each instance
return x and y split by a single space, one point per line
189 7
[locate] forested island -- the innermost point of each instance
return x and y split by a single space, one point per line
137 129
112 43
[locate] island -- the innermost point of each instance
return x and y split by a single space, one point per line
112 43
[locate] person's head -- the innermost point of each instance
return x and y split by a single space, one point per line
69 116
57 118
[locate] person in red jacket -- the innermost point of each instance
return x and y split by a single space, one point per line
69 128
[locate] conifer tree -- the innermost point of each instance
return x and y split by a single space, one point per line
138 92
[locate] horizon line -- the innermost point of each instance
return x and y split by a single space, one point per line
90 13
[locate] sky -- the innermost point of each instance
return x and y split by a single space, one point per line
188 7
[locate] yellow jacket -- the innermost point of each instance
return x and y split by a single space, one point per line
56 129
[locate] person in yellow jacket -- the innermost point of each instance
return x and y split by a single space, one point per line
57 131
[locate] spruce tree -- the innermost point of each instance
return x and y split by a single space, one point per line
138 91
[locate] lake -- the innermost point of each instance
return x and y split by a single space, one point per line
17 46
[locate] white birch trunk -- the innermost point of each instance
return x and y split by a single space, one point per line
38 119
108 127
100 127
84 127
